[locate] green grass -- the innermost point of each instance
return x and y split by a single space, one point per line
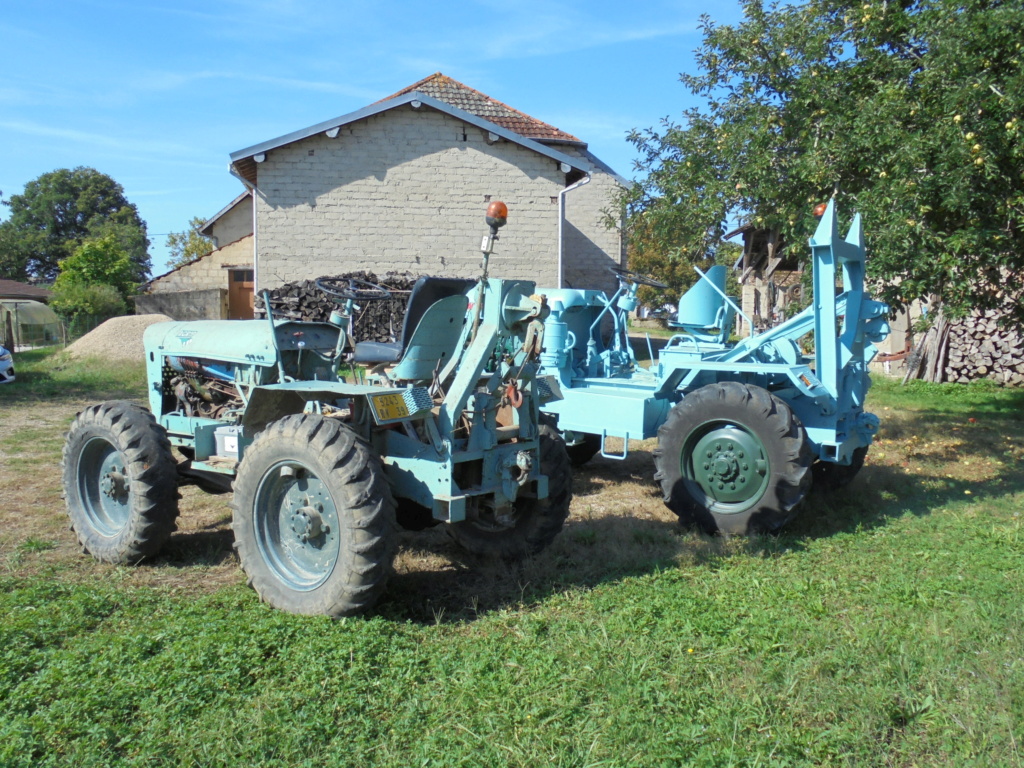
47 374
884 627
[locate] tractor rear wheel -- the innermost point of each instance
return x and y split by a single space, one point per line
120 482
583 448
829 476
536 521
313 518
733 458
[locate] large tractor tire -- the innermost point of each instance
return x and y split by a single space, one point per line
536 521
733 458
313 518
829 476
120 482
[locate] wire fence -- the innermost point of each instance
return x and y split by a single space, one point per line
19 331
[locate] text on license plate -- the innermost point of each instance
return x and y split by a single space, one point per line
390 407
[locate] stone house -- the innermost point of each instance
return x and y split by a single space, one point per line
219 285
402 185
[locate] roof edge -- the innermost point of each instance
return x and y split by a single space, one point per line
213 219
430 101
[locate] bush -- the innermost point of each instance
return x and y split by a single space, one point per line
71 300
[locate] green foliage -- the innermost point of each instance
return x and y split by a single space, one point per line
72 299
189 246
98 262
649 256
909 111
61 209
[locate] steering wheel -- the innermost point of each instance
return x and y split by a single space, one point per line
635 277
352 289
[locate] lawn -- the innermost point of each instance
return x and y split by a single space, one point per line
884 627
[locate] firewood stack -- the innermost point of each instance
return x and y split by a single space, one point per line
985 344
374 321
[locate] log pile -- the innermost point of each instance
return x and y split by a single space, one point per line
374 321
985 344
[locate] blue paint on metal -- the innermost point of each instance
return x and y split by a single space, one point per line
607 393
452 454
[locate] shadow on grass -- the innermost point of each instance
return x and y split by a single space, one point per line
461 587
631 542
620 528
209 546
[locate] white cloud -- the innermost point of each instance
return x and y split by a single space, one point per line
147 146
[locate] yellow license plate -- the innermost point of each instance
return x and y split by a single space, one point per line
390 407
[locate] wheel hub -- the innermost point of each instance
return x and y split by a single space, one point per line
114 484
307 522
729 465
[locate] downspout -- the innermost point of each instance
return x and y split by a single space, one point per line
255 232
561 224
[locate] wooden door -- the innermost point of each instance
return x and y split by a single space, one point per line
240 294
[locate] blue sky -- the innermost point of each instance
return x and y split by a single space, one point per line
157 95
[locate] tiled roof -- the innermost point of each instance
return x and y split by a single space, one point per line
444 88
24 290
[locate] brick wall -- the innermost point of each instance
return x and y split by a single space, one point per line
207 273
590 246
235 224
405 190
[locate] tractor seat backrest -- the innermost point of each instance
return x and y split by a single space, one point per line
703 311
426 293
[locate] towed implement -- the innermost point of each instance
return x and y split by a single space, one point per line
441 430
743 428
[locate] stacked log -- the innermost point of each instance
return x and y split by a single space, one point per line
985 344
378 320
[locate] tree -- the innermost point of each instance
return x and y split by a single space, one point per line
909 111
189 246
60 210
99 262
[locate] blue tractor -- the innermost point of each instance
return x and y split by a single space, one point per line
744 427
441 430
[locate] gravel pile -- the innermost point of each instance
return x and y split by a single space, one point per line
119 338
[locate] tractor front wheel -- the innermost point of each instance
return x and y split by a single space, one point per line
535 522
313 518
120 482
733 458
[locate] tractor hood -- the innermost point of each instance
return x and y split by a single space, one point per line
236 341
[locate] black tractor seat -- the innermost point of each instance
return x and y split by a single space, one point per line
426 293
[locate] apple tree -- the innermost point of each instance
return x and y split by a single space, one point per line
910 111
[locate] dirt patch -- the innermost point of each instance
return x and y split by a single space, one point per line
119 338
617 526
